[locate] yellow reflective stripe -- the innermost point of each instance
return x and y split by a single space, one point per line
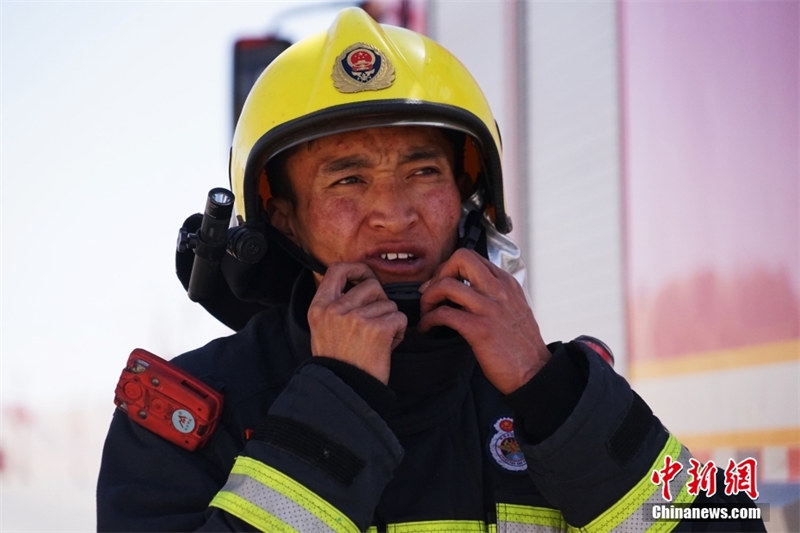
632 511
263 496
439 526
536 519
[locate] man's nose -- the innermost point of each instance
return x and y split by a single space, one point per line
392 207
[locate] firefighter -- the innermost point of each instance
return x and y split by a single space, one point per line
394 379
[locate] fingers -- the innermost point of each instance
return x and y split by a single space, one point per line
359 324
366 298
470 267
488 307
468 280
470 294
338 276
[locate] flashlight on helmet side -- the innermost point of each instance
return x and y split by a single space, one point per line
210 244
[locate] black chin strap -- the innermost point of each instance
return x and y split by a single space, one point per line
298 254
406 295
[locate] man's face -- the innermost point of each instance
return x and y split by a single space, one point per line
385 196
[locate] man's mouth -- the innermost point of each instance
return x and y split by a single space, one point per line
397 256
397 262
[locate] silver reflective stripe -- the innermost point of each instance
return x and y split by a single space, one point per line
438 526
515 527
642 518
274 503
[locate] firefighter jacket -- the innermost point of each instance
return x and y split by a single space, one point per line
313 444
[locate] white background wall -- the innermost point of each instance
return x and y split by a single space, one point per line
563 166
556 102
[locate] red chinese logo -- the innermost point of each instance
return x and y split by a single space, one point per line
702 477
665 475
739 477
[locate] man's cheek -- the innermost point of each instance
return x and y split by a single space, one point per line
444 207
330 228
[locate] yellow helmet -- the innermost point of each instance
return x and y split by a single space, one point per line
356 75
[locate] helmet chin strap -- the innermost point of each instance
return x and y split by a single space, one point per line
405 294
298 254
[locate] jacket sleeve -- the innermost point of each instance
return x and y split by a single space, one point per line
318 462
593 451
147 483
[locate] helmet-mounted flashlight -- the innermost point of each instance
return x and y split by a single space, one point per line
210 243
220 203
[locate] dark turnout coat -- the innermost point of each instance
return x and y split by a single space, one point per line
314 444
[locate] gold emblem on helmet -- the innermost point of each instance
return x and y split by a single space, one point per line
362 67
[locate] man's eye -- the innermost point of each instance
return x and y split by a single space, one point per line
349 180
426 171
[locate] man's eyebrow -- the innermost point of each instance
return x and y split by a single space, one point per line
420 153
345 163
356 162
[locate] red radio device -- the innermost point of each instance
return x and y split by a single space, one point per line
167 400
599 347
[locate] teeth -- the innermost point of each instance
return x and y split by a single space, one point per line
393 256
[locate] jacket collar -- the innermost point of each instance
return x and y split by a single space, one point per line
430 373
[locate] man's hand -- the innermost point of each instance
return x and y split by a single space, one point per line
360 326
491 313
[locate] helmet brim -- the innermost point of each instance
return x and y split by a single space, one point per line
371 114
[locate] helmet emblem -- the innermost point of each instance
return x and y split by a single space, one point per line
362 68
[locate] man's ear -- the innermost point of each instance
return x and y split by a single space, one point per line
282 217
